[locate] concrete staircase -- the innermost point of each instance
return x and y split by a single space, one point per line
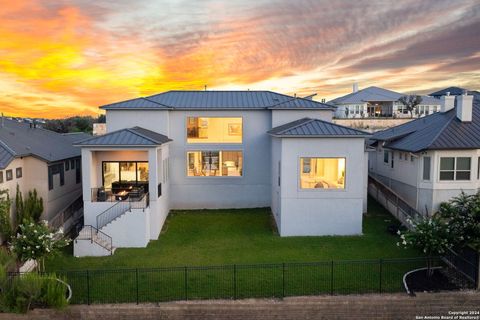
92 242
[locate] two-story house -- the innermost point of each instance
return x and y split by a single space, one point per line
220 149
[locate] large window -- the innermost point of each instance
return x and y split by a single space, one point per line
322 173
53 170
214 163
452 168
214 130
124 172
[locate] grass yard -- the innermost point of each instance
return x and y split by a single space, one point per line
242 236
249 260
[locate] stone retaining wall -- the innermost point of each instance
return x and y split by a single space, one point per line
388 306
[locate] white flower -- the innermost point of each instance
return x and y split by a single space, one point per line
398 244
48 250
60 230
38 247
404 242
45 222
398 232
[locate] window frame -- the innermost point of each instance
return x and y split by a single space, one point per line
219 151
211 143
386 156
120 170
18 172
299 174
9 173
429 168
454 170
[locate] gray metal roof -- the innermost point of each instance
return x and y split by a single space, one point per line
219 100
308 127
20 140
455 91
376 94
438 131
135 136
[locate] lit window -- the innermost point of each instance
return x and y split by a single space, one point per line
455 168
214 130
121 174
214 163
322 173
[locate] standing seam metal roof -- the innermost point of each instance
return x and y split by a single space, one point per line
135 136
434 132
313 127
218 100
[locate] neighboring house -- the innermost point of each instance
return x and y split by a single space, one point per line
220 149
430 160
455 91
374 102
36 158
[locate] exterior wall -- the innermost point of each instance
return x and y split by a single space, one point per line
132 230
280 117
35 176
276 180
155 120
406 178
322 211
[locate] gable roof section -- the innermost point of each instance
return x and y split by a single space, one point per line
376 94
18 139
439 131
135 136
308 127
217 100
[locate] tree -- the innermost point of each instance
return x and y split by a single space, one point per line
19 213
33 206
429 234
5 222
36 241
410 102
462 214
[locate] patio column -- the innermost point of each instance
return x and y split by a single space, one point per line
153 168
87 174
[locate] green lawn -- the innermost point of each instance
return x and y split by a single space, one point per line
247 259
243 236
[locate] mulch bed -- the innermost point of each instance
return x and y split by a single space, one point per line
419 281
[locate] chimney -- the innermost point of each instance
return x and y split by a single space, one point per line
464 107
355 87
447 102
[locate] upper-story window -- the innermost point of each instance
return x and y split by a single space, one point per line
18 172
1 176
452 168
214 130
9 174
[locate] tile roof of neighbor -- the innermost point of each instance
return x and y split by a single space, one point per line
19 140
378 94
219 100
441 130
308 127
135 136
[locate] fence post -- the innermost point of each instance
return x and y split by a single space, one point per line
235 282
186 282
331 279
88 288
136 280
381 268
283 280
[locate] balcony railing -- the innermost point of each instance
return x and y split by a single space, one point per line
121 207
114 195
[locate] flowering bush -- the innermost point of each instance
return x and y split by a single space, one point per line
36 241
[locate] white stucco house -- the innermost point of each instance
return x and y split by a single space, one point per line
375 102
36 158
220 149
432 159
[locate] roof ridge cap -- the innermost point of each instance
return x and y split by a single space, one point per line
9 150
152 101
95 137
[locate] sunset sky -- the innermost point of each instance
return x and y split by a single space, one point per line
62 58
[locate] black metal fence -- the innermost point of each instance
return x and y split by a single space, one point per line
240 281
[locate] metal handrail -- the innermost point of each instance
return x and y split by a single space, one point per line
119 208
94 235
